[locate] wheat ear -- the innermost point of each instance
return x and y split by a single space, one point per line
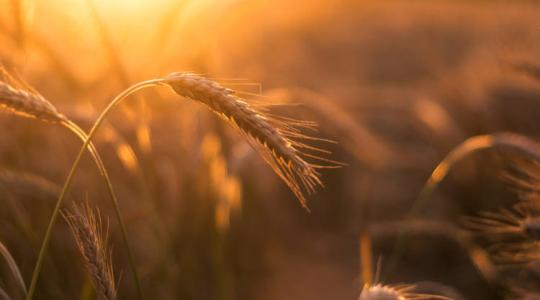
87 230
28 104
279 140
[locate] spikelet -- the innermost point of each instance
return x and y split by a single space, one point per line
92 243
279 140
395 292
20 99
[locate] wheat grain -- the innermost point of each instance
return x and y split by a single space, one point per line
279 140
92 243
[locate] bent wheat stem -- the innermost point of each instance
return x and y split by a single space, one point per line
74 128
67 184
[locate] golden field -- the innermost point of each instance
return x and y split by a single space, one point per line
425 149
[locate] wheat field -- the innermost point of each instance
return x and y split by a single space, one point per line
254 149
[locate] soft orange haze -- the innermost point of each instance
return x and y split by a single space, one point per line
395 88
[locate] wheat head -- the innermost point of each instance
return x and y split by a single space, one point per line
279 140
22 100
92 243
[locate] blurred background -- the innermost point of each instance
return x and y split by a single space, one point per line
397 84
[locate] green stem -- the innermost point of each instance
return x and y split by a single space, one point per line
69 179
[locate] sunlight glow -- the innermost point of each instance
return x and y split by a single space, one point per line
130 6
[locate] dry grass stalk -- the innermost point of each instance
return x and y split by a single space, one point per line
92 243
20 99
279 140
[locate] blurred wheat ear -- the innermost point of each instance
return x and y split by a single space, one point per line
87 229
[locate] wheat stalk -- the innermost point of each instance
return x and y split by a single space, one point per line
21 99
48 233
88 232
87 144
